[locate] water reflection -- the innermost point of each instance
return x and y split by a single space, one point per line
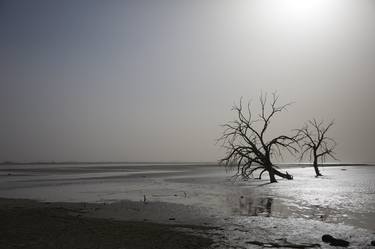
251 204
255 206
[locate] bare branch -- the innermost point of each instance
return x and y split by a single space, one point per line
316 142
244 142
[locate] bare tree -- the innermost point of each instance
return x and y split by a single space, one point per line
247 149
316 143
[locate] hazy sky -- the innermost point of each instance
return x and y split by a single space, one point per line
153 80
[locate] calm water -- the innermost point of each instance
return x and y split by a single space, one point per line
343 195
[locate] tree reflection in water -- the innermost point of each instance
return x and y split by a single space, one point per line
256 206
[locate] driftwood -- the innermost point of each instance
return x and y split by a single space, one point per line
285 244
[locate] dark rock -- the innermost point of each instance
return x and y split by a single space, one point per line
339 242
327 238
172 218
334 242
373 243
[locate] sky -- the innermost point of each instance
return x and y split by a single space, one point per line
150 80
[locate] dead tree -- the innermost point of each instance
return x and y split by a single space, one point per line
316 143
247 149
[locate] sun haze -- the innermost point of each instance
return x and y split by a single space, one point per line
153 80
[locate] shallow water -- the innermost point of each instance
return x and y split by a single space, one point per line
343 195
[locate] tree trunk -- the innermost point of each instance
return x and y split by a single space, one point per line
317 172
283 175
272 176
274 172
269 167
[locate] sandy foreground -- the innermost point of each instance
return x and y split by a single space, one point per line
192 207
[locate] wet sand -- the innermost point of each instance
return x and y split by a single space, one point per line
203 201
30 224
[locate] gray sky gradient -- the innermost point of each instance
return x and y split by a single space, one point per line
153 80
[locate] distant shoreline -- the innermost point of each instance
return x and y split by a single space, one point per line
109 162
303 165
169 162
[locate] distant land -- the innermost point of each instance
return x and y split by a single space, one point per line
164 162
100 162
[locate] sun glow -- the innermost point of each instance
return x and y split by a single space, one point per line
300 10
293 13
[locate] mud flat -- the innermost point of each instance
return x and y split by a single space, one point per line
189 206
31 224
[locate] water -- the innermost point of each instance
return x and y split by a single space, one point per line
343 195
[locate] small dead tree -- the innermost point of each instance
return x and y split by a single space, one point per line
247 149
315 142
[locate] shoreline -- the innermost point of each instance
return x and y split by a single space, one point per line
4 163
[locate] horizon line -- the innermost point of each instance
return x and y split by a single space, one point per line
8 162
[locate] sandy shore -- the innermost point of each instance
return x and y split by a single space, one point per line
31 224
